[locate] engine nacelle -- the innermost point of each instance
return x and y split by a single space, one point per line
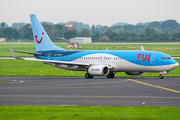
98 70
134 73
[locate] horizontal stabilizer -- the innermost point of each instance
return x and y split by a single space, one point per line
25 52
14 55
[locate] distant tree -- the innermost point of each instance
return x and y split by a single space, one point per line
129 27
176 37
98 26
150 31
155 24
119 24
103 28
173 31
84 33
120 31
170 24
113 36
139 31
97 30
18 25
47 23
1 33
25 32
3 24
59 31
163 37
10 33
92 29
70 34
108 32
51 30
96 36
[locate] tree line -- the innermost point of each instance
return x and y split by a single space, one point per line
168 30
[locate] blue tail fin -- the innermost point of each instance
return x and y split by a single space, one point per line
41 39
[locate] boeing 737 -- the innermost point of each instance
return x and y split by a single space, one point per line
97 62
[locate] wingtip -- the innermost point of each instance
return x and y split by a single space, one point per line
142 48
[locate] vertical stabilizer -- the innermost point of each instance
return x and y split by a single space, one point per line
41 39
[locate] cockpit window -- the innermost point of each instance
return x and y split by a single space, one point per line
165 58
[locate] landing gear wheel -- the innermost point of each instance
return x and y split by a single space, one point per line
87 75
110 75
161 76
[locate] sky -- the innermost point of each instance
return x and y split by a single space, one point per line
97 12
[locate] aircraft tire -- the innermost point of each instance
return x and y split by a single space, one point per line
87 75
110 75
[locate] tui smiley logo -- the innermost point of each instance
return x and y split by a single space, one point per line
40 39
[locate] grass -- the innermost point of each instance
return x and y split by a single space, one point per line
88 113
3 82
171 49
17 67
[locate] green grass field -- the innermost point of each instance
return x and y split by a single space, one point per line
17 67
3 82
171 49
88 113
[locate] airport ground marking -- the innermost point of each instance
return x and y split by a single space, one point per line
65 85
91 83
154 86
79 96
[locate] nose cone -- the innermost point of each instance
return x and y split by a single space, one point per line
172 65
177 64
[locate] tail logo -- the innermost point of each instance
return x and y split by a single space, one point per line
40 39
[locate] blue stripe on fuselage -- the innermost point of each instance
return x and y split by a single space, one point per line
146 58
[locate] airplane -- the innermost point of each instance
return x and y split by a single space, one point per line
97 62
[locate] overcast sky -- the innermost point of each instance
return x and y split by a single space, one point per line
103 12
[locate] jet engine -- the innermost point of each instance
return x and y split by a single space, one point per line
98 70
134 73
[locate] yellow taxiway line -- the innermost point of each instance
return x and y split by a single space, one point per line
154 86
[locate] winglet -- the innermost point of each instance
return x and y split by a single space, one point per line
142 48
14 55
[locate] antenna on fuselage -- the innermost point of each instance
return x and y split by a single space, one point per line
142 48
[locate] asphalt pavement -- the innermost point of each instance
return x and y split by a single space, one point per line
99 91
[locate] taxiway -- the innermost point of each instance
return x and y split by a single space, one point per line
99 91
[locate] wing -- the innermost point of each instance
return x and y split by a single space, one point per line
59 62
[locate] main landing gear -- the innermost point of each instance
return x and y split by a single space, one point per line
161 76
110 75
87 75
